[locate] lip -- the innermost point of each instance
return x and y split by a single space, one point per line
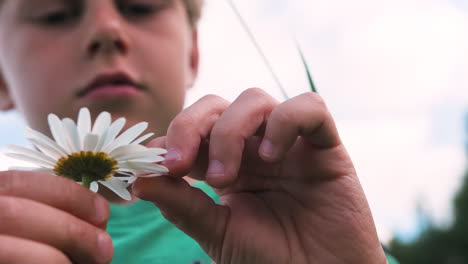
115 84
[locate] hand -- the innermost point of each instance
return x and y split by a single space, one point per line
50 219
289 191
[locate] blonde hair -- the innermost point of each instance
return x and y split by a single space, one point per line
193 8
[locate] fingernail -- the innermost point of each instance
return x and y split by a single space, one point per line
106 249
267 148
215 169
100 206
172 155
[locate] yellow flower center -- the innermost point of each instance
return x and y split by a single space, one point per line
95 166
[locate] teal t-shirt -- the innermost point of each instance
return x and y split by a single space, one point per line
141 235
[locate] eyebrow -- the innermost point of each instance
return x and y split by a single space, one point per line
26 8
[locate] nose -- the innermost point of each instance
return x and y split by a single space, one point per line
105 31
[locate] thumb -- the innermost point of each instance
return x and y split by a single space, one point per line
188 208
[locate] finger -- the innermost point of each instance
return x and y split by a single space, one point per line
199 166
305 115
159 142
58 192
81 241
187 132
236 125
191 210
16 250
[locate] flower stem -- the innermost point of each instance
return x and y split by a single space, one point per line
86 181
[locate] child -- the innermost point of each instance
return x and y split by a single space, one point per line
287 188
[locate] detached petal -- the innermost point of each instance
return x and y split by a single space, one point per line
118 187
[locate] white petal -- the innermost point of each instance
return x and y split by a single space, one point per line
128 180
135 153
140 158
57 130
84 123
46 149
31 153
30 160
123 150
128 136
102 122
131 180
94 187
148 175
90 142
38 138
158 151
142 138
143 167
110 134
125 174
117 186
73 137
32 169
101 141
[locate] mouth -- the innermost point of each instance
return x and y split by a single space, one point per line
113 84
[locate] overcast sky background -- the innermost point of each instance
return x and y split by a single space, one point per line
394 73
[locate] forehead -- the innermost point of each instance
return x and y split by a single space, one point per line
32 3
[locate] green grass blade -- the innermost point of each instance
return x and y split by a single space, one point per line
258 48
306 67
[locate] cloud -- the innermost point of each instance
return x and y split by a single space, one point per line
387 54
398 168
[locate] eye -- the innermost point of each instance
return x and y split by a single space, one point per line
142 8
57 18
136 10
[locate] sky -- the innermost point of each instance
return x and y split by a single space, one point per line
394 74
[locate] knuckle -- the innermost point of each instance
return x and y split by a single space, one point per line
255 91
76 229
216 102
10 181
282 116
183 120
262 99
313 98
10 209
224 132
211 98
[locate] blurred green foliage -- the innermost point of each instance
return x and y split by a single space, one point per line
440 245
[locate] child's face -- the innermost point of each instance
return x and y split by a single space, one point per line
134 58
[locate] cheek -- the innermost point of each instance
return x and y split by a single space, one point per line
163 63
33 72
34 61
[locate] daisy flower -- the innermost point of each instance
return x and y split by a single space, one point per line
91 154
